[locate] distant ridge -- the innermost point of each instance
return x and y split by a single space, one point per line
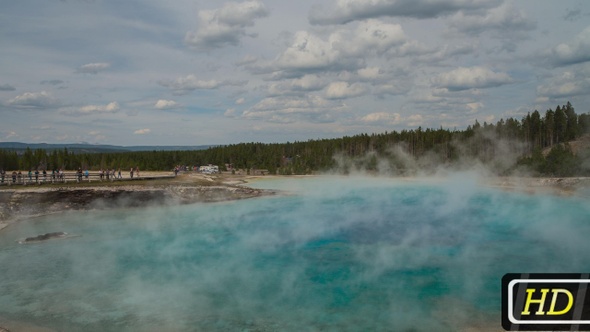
97 148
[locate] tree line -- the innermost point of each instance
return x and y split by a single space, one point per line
396 152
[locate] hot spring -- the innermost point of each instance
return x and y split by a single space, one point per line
333 254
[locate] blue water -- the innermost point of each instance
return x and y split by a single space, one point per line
332 254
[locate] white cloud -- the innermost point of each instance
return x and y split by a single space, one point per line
308 83
247 60
370 73
427 98
225 26
372 36
568 84
504 18
184 85
414 120
392 119
391 89
112 107
230 113
572 52
163 104
34 100
298 86
309 53
381 118
474 107
342 90
142 131
240 101
343 49
93 68
288 109
471 78
344 11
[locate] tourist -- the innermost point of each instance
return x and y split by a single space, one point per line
20 177
120 177
86 173
30 176
44 175
79 174
131 172
137 171
13 176
37 175
2 174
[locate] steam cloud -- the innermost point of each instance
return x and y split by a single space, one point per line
367 253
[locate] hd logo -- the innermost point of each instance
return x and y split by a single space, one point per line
546 302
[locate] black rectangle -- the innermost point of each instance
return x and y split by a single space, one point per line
546 302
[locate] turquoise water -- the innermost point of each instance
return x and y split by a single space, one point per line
335 254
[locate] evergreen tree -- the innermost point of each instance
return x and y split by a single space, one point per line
571 131
561 161
560 125
549 128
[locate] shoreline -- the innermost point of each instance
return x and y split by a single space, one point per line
33 201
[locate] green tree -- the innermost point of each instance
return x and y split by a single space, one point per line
561 161
560 125
571 131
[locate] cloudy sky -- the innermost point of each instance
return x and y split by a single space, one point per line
147 72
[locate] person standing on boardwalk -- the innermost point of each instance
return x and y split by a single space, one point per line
137 170
120 177
44 175
30 176
2 174
131 172
37 175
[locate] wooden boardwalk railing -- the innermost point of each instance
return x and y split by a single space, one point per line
71 177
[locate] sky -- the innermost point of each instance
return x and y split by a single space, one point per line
200 72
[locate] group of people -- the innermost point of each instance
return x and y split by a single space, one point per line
108 174
17 176
58 175
132 171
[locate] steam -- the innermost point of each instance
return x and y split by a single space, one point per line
485 153
339 253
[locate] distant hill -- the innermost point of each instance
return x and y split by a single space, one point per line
97 148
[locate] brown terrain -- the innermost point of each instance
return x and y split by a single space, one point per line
24 201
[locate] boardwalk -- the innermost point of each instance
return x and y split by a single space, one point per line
73 177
